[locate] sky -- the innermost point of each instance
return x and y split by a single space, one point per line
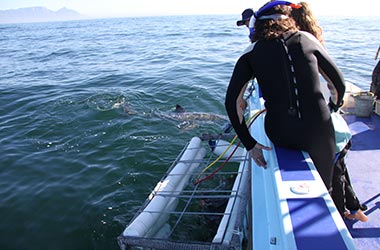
124 8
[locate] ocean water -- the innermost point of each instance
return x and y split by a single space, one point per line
84 131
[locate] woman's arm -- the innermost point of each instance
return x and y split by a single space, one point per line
241 75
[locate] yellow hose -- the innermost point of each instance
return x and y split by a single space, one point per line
229 146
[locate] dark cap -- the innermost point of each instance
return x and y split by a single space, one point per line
246 15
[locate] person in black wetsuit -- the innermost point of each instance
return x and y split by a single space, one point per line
342 193
375 84
286 64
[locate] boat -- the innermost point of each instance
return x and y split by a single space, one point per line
285 206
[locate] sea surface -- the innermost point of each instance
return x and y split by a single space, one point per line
84 127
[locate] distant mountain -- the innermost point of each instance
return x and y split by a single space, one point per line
38 14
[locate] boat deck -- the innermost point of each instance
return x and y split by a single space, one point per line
363 163
291 207
313 219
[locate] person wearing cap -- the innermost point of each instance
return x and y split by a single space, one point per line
245 17
286 63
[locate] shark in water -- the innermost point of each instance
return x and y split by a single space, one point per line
187 120
191 120
180 114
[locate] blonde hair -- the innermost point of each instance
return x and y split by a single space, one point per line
306 21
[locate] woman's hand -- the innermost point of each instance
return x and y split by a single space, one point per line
257 154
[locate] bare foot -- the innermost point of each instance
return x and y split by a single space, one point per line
359 215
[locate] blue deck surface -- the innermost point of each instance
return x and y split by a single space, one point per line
300 169
363 163
309 216
312 222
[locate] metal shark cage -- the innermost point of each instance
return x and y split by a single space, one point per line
181 213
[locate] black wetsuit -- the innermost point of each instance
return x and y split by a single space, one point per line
343 193
297 115
375 84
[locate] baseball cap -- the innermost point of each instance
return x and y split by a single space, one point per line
246 15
